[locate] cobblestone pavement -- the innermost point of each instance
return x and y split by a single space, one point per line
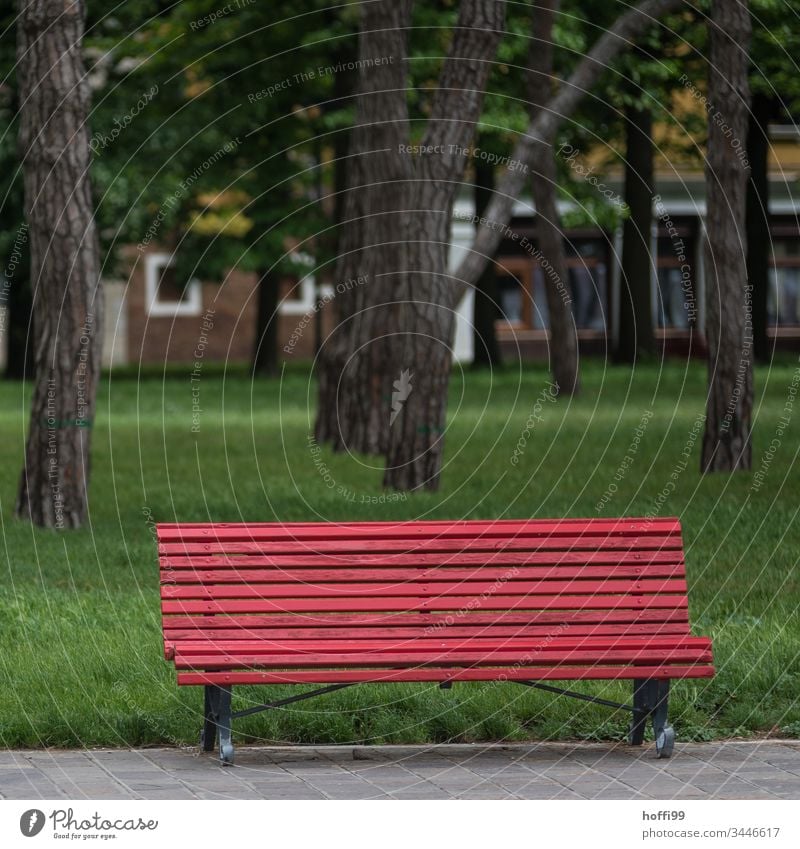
728 770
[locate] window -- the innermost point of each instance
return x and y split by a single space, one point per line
513 278
164 295
676 298
783 300
586 265
522 286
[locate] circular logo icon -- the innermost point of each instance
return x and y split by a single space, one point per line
31 822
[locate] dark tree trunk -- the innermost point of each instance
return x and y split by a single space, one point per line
636 336
726 442
352 400
65 262
757 221
395 329
19 303
563 336
265 353
421 313
486 350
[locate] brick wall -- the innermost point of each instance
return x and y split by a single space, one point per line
175 339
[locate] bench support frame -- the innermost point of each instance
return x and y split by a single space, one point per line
218 722
650 700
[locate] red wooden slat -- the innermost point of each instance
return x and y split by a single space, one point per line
277 634
442 573
412 589
498 559
429 643
566 543
494 602
348 676
523 618
400 659
414 530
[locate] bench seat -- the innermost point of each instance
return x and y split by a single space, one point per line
519 601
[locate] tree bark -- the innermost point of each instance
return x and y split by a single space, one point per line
352 400
65 262
395 329
265 351
543 128
726 442
636 337
485 347
19 329
563 335
421 311
757 221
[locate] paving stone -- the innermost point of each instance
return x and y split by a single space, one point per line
767 769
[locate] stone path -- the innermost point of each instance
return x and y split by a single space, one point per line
729 770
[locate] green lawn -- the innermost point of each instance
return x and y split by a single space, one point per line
80 646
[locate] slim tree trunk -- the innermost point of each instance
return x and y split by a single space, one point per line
265 353
486 350
543 127
757 221
65 262
726 442
563 336
636 336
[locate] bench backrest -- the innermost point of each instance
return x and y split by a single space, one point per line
570 577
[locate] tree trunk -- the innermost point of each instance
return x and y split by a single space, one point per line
18 303
395 329
636 337
352 400
563 335
486 350
265 353
757 221
65 262
422 320
726 442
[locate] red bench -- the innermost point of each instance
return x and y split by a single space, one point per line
342 604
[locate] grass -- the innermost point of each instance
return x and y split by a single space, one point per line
80 652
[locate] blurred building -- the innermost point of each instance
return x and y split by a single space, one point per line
151 319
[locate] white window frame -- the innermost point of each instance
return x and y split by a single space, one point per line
307 286
191 305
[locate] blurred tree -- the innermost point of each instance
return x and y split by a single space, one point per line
65 262
563 338
227 153
383 386
486 309
15 291
727 439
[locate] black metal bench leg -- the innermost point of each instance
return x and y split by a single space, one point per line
651 699
641 712
664 733
208 734
224 725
